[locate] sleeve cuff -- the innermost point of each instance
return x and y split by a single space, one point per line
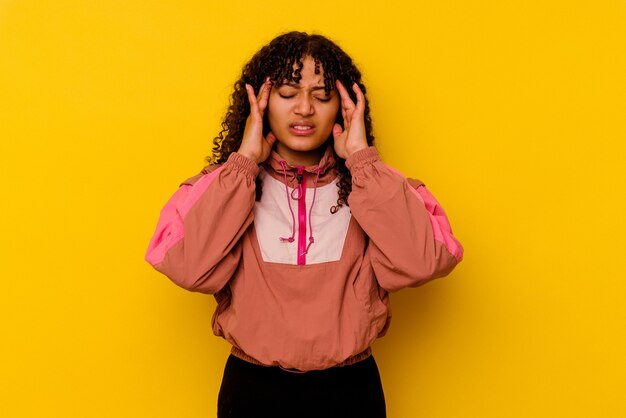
362 157
244 164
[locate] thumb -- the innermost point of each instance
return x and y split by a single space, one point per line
270 139
337 130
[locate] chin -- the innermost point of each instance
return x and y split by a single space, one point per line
303 145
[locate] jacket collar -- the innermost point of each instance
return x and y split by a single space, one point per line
327 168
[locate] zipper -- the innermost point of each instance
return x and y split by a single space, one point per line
301 216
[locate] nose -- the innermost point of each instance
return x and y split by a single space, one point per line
304 105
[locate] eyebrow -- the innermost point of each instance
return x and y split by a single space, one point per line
297 86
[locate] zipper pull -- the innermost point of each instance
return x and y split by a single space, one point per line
300 175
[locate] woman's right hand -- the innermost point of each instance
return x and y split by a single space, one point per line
253 145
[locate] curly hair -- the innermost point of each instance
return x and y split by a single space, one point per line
277 60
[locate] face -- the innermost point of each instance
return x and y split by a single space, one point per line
301 116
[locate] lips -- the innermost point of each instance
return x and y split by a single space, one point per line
302 124
302 128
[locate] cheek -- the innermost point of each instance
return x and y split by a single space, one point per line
330 114
273 113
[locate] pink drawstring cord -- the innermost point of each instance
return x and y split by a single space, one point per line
311 240
293 218
299 189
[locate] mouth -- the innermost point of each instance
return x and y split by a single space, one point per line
302 128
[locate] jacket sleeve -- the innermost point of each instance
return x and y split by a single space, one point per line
197 239
410 238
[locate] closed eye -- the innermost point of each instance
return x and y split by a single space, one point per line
321 99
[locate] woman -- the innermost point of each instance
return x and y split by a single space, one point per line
300 231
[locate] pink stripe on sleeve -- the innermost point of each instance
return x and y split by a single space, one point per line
438 219
170 228
439 222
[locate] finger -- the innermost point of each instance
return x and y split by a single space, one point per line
346 119
344 94
360 98
265 94
261 90
254 108
341 89
270 139
337 130
346 101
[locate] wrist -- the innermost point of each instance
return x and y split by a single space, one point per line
242 163
362 157
248 155
357 149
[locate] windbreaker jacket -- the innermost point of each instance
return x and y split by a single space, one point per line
296 285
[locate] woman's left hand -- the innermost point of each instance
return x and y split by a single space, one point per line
351 138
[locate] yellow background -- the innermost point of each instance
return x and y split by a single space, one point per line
512 113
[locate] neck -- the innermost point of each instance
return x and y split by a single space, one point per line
304 158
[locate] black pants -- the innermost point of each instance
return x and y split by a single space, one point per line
252 391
